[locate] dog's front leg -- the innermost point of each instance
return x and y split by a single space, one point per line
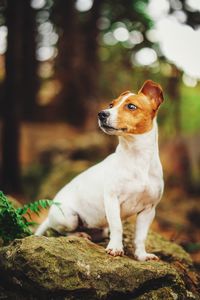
112 208
143 222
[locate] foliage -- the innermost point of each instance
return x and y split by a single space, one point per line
13 223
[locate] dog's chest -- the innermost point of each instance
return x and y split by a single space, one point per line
132 203
136 193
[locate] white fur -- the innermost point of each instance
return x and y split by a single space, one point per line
127 182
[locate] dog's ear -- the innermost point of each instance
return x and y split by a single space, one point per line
154 92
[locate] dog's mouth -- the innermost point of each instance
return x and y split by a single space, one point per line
110 128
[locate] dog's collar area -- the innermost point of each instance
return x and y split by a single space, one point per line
112 128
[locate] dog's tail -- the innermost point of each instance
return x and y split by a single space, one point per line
42 228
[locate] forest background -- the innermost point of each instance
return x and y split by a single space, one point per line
62 61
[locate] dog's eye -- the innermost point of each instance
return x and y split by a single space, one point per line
131 106
110 105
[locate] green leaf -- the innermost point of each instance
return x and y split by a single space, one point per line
13 223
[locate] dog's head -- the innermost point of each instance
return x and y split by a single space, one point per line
132 113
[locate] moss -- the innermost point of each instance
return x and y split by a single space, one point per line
167 250
75 268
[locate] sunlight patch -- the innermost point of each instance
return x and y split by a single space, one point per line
146 56
83 5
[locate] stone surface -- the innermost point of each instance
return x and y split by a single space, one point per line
75 268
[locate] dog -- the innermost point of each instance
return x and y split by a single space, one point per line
127 182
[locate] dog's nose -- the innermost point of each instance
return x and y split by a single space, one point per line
103 115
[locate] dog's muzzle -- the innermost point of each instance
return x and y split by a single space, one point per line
103 116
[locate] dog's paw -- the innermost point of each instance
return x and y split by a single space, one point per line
115 250
146 256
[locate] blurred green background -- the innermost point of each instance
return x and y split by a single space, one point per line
62 61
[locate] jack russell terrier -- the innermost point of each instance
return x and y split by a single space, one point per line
127 182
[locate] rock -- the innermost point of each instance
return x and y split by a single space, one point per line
76 268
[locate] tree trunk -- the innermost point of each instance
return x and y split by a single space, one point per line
29 72
12 99
179 150
77 60
91 33
174 92
67 65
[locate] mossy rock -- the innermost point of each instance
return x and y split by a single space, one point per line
76 268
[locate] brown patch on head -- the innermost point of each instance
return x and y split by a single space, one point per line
138 120
147 102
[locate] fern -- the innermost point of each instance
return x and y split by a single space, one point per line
13 223
35 206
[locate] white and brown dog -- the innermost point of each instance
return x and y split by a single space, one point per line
127 182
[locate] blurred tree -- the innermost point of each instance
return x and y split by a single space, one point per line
77 59
20 88
12 99
180 152
29 66
173 88
90 33
68 62
179 149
